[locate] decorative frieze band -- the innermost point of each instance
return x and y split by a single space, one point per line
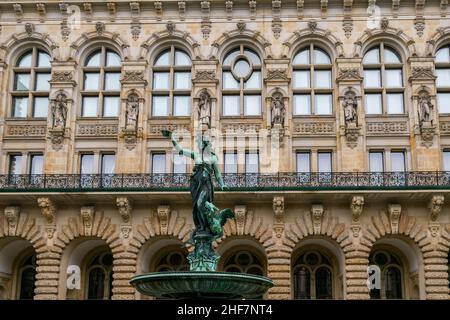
241 128
26 130
387 128
444 127
97 129
315 128
155 129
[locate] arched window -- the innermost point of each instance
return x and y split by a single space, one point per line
313 276
99 277
31 87
312 82
171 85
27 278
244 262
175 260
443 79
241 83
101 84
391 276
383 81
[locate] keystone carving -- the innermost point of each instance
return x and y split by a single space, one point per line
12 217
48 211
317 213
87 217
240 212
395 211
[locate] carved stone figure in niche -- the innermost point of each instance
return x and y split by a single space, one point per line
425 108
59 111
278 109
350 104
132 111
204 109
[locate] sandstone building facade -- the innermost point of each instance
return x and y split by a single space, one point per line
331 120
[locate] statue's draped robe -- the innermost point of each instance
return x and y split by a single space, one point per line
202 190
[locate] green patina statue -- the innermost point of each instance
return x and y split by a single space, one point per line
208 220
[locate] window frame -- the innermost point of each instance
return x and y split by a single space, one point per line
439 89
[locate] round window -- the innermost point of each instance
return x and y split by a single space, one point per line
242 68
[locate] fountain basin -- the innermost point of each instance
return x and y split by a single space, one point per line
201 285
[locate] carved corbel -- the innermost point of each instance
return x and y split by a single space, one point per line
48 211
240 212
12 218
435 205
395 210
163 213
278 210
356 206
87 217
317 213
125 208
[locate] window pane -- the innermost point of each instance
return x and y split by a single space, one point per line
394 78
163 59
443 101
20 106
443 77
254 82
390 56
397 161
302 104
302 57
301 79
25 60
91 81
89 107
373 104
320 57
322 79
231 106
230 57
179 163
252 56
324 162
241 68
443 55
108 163
181 105
230 165
303 162
161 81
395 103
182 80
182 59
40 108
446 160
160 106
159 163
94 60
252 105
372 78
372 56
112 81
36 164
22 82
323 104
42 82
87 164
251 163
43 60
229 82
324 285
15 164
112 59
376 162
111 106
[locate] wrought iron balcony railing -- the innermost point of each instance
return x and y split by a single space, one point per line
413 180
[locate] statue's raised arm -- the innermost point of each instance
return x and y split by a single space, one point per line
186 152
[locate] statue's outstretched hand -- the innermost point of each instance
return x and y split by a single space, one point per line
223 187
166 133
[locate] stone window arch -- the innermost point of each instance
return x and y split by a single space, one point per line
30 87
313 276
384 81
242 82
171 83
312 81
100 91
442 66
392 279
99 276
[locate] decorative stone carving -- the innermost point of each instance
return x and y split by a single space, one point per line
29 28
395 211
205 76
97 130
132 76
241 25
315 128
206 21
87 7
277 109
125 208
12 218
349 74
419 25
252 6
182 9
276 75
112 10
229 9
26 130
350 105
59 111
347 26
387 128
317 213
241 214
155 129
204 110
48 211
132 111
159 9
356 207
312 25
444 127
87 218
276 21
135 30
241 128
425 108
18 11
99 28
40 7
384 23
62 77
436 203
163 213
278 210
422 73
170 27
300 6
